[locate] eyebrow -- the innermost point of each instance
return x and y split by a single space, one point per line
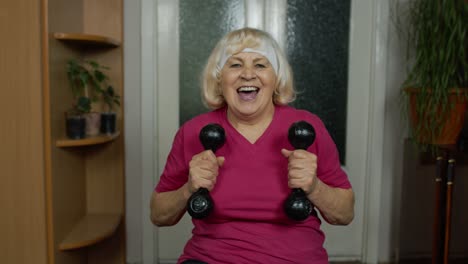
240 59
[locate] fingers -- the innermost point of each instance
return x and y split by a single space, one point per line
205 155
298 153
220 161
203 170
302 169
286 153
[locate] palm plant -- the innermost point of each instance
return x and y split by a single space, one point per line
437 41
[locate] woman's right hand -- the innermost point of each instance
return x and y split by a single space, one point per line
204 168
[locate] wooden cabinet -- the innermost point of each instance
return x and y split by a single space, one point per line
63 199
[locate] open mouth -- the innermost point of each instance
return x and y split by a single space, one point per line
248 93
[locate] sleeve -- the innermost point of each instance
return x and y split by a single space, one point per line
328 167
176 170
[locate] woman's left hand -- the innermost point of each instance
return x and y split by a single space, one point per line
302 169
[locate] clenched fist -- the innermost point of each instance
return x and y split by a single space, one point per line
302 169
203 170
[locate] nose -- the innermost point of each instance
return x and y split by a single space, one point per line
248 73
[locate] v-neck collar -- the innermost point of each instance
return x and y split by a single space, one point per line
232 131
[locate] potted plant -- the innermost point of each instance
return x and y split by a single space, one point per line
86 79
108 118
435 89
75 121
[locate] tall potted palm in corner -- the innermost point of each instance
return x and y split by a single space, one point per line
87 79
435 88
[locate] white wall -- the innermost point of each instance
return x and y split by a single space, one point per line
389 60
132 118
395 133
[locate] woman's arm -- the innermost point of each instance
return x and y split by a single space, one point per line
167 208
335 204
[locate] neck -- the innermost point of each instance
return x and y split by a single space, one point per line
251 120
251 127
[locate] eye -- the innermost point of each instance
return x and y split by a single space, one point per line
234 65
260 65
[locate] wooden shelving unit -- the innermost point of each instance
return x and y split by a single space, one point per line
87 39
90 230
94 140
73 209
85 185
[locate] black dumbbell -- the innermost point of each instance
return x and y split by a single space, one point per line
297 207
200 203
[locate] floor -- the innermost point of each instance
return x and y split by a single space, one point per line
428 261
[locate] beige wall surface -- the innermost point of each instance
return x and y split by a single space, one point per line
22 201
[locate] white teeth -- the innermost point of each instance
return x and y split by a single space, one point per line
247 89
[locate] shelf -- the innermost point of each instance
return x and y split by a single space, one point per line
90 230
94 140
87 39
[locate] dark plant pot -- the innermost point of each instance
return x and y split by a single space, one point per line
108 121
76 127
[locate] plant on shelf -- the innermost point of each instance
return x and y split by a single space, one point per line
108 118
435 89
87 79
111 98
75 118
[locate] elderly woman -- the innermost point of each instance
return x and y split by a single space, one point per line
248 84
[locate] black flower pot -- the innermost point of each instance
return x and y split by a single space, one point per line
108 121
76 127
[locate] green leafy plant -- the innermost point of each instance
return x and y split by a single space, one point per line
87 80
437 41
83 105
111 98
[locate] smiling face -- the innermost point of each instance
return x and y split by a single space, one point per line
248 83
